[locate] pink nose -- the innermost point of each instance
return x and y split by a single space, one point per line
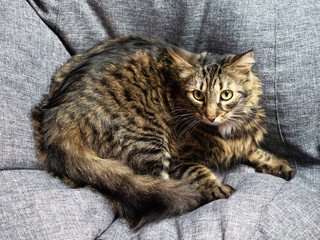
211 119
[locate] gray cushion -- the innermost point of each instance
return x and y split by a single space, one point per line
37 206
34 205
37 37
30 54
262 208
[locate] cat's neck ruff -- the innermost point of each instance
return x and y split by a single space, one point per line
226 130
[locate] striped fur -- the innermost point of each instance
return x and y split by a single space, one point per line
123 119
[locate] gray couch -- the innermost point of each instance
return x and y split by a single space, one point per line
37 37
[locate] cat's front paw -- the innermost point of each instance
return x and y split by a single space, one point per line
279 168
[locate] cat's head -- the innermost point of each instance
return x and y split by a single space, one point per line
216 90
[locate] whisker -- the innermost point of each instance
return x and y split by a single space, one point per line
188 126
174 111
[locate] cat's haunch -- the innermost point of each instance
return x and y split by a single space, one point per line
144 122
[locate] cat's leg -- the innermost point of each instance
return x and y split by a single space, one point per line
151 159
202 178
265 162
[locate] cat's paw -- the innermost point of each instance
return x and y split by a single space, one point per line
221 191
280 168
215 191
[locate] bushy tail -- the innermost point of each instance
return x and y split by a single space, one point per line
137 198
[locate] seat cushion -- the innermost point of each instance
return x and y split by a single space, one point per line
38 206
34 205
263 207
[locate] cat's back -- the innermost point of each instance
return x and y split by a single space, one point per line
120 70
106 94
113 52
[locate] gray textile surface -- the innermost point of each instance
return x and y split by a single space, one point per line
37 37
30 54
37 206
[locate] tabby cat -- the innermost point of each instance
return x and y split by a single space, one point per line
144 122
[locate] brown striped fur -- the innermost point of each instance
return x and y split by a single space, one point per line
125 119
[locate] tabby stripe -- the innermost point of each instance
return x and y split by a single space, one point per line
204 73
220 84
127 144
117 75
129 141
128 95
232 105
181 169
151 136
214 83
194 169
142 139
142 151
152 130
114 97
220 106
199 176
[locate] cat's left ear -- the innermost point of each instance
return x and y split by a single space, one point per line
243 63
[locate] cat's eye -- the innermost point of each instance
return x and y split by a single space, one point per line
198 95
226 95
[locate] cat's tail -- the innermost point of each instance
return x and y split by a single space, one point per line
138 198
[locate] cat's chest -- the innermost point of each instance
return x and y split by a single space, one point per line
224 151
237 148
214 150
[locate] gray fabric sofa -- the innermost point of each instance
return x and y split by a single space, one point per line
37 37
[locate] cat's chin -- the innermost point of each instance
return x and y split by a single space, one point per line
224 128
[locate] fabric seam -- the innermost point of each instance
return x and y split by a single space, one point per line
52 30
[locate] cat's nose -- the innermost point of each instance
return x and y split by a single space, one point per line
211 118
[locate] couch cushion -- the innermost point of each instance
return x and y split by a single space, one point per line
30 54
33 205
263 207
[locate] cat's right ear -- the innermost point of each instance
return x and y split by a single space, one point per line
180 57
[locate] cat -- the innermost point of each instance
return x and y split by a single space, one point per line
144 122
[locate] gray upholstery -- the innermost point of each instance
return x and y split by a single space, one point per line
37 37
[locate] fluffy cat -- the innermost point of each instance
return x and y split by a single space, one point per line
143 122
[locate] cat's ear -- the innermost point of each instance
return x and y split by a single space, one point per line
181 57
183 61
243 63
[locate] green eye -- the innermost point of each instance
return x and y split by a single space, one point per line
198 95
226 95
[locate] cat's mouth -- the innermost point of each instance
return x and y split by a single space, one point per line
214 121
